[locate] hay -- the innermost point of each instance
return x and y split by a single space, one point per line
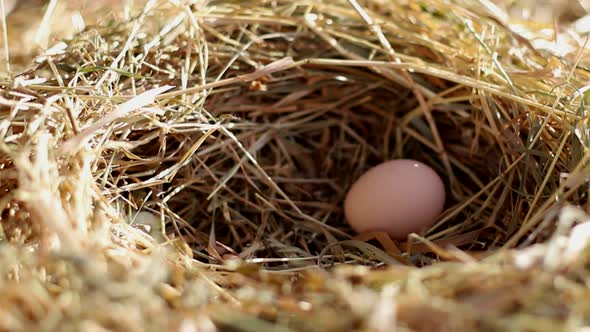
176 166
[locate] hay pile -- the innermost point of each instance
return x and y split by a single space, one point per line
181 167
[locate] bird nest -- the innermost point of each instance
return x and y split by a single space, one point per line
181 165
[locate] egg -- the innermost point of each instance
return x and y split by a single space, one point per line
397 197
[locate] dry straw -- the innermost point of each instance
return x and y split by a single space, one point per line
180 166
